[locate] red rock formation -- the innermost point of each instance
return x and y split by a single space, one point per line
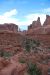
47 21
38 23
36 27
9 27
11 40
35 24
39 32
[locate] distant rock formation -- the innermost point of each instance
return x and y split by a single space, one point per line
35 24
38 32
36 27
47 21
9 27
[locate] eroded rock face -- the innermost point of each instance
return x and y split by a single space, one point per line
36 27
38 32
10 37
35 24
9 27
47 21
11 41
38 23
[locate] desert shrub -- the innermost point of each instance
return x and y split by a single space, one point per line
36 42
21 60
7 54
4 53
33 70
31 44
48 47
27 45
1 52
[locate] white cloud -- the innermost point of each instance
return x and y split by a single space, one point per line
8 17
45 10
10 13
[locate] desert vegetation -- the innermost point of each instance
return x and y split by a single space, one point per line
33 70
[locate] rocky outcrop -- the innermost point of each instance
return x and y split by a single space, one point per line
36 27
35 24
47 21
38 32
10 38
11 41
8 27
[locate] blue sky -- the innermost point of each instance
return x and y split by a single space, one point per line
23 12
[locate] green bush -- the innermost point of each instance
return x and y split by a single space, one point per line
36 42
33 70
1 52
27 45
22 60
5 53
31 44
